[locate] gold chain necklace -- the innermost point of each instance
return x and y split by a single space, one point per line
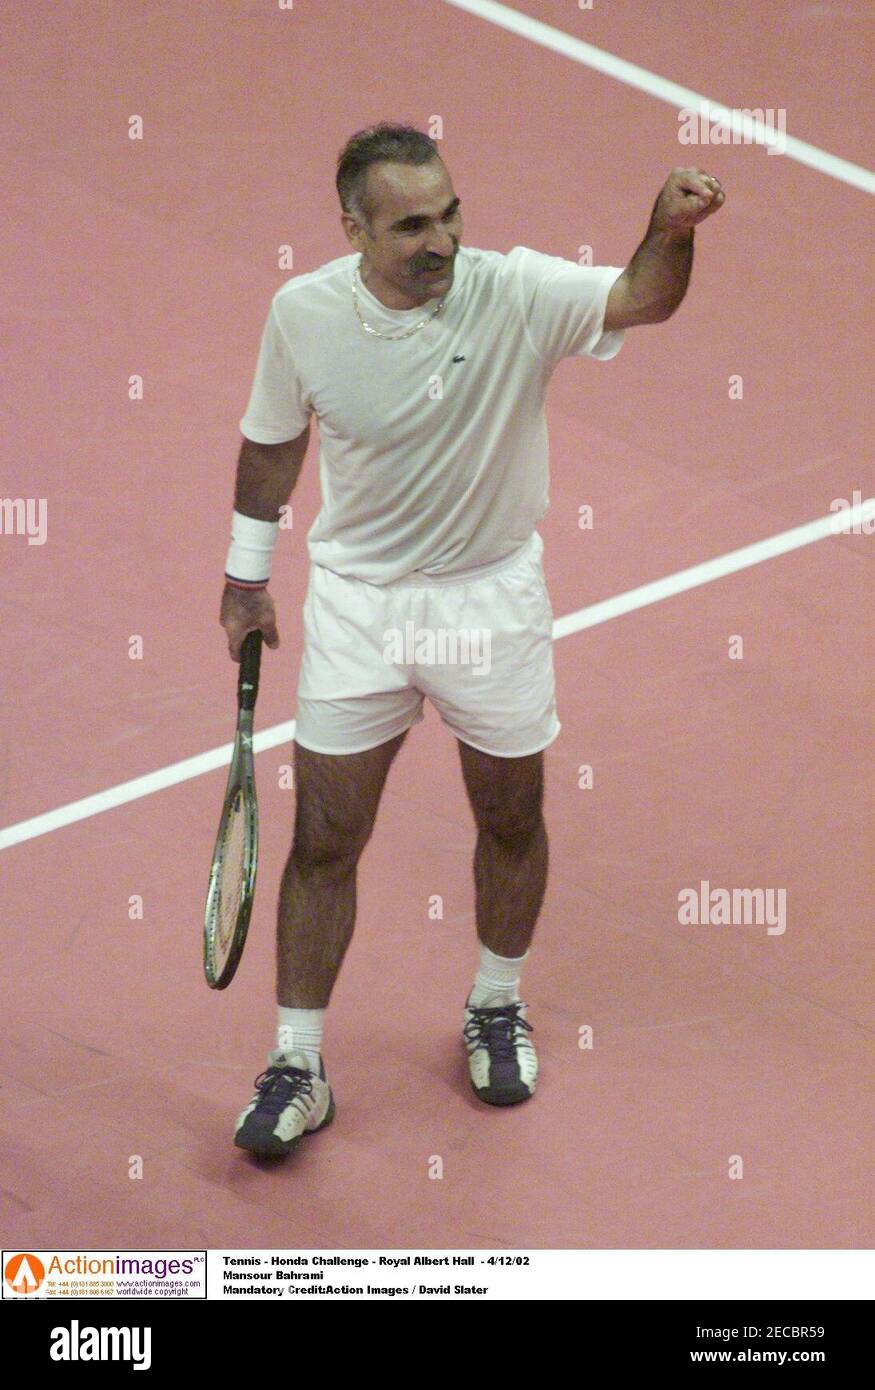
392 337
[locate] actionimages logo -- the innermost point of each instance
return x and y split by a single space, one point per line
48 1274
24 1274
75 1343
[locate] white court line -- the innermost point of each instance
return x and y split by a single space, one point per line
750 129
140 786
734 560
705 573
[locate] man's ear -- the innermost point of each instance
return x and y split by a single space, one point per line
350 228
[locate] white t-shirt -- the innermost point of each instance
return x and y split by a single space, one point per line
427 463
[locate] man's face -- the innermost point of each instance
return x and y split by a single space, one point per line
410 246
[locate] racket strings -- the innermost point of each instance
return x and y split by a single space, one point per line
231 877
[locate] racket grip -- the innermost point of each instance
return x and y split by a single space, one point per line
250 665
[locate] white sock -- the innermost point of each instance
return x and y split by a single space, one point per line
300 1030
497 981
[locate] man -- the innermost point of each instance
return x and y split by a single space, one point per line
426 364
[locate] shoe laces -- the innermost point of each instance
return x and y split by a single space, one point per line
496 1030
281 1086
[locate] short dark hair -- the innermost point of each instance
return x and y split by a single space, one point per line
400 144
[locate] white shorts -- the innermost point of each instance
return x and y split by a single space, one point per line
480 649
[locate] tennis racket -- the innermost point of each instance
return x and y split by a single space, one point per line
235 857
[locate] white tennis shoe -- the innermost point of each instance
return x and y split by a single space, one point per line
502 1061
289 1102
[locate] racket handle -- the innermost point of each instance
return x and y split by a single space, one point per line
250 665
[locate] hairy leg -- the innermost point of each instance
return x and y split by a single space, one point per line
337 796
511 857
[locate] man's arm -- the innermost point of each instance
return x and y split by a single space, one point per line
655 280
267 474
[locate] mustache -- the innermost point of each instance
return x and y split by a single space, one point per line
435 265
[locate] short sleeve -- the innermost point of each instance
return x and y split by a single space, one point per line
277 408
563 305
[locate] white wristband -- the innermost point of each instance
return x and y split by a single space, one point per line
251 550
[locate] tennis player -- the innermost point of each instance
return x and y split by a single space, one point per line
426 364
